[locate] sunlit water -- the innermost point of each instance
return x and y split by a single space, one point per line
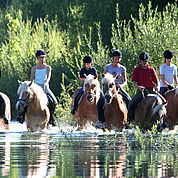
64 152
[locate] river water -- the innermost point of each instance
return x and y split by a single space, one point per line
64 152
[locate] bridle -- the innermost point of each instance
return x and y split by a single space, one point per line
25 101
110 93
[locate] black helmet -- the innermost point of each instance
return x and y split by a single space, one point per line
40 52
168 54
116 53
144 56
87 59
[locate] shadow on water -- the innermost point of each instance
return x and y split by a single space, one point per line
64 152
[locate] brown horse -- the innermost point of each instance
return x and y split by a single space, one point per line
33 96
172 108
150 110
5 111
87 109
115 109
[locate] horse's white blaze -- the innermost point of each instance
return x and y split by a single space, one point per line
90 80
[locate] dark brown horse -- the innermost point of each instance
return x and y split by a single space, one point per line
33 96
115 109
150 110
87 109
172 108
5 111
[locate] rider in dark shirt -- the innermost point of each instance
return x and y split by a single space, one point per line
85 71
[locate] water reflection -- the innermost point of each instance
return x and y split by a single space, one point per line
56 153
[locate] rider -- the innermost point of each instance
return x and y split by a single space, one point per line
116 68
86 70
41 74
168 73
144 78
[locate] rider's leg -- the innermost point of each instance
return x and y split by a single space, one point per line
77 98
125 96
52 105
133 104
100 108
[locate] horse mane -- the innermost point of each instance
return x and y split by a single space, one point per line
108 78
38 91
158 106
92 80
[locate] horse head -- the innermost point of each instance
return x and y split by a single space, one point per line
24 91
109 86
92 88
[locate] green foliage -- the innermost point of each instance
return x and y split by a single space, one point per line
152 139
153 32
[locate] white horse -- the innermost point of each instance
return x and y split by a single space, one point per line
33 96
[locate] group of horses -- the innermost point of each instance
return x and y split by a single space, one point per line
151 109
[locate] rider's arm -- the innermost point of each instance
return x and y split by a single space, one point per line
163 80
175 79
124 78
32 74
48 75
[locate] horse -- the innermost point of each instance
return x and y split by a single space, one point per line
87 110
172 108
150 110
5 111
115 109
34 98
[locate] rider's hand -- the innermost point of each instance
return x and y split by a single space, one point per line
141 88
170 87
119 86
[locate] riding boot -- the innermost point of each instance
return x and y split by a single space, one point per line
76 102
52 118
21 117
6 121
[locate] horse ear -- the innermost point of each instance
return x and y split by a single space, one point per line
115 76
19 82
96 76
31 83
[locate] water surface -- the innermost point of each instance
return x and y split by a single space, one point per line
64 152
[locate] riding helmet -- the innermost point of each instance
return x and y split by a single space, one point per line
40 52
87 59
168 54
144 56
117 53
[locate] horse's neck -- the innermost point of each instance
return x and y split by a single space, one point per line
119 100
36 104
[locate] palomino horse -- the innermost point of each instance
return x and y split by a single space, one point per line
32 96
150 110
172 108
87 109
5 111
115 109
